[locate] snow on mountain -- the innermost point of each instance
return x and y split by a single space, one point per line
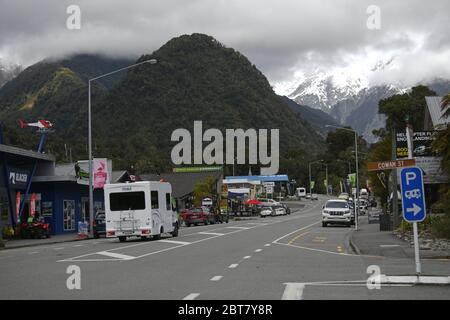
8 71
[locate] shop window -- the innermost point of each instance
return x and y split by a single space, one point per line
69 215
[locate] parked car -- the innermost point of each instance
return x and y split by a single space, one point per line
279 210
308 196
344 196
99 224
197 215
336 211
266 211
268 202
314 197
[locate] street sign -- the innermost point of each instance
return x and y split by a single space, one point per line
413 197
388 165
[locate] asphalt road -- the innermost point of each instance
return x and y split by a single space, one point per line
289 257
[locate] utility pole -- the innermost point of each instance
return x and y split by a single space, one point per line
395 221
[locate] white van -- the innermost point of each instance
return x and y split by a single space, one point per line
300 192
142 209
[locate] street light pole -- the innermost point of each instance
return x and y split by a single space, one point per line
356 168
91 178
310 187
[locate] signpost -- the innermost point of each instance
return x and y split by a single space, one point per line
388 165
413 202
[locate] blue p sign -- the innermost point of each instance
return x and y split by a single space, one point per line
413 197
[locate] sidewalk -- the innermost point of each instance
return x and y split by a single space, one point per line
369 240
20 243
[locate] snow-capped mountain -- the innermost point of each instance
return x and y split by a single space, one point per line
8 71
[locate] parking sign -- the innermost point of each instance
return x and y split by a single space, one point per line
413 197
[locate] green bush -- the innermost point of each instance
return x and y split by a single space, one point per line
440 226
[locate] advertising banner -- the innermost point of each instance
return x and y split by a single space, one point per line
33 205
422 141
352 178
101 176
18 195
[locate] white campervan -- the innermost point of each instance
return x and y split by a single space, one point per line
300 192
142 209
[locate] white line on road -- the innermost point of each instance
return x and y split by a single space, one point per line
267 245
184 243
60 248
293 291
212 233
216 278
290 233
243 228
247 257
33 252
389 245
78 245
234 265
115 255
258 250
191 296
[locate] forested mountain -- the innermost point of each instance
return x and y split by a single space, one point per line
196 78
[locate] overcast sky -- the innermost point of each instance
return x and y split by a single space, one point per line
284 38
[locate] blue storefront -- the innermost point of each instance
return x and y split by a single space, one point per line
63 203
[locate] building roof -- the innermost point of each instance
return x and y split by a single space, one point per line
435 111
18 153
183 183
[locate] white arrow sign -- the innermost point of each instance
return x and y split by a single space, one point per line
415 209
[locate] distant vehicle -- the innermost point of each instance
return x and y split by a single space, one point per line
314 197
198 215
363 193
344 196
336 211
308 196
142 209
279 210
268 202
300 192
266 211
99 224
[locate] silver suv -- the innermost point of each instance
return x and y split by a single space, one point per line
336 211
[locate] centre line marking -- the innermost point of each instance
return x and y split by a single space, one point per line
267 245
216 278
115 255
191 296
258 250
60 248
243 228
212 233
175 242
247 257
234 265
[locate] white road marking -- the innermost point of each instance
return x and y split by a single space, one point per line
78 245
60 248
389 245
184 243
290 233
243 228
191 296
267 245
33 252
247 257
293 291
234 265
212 233
258 250
216 278
115 255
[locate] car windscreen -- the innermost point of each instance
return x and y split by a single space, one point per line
336 204
121 201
